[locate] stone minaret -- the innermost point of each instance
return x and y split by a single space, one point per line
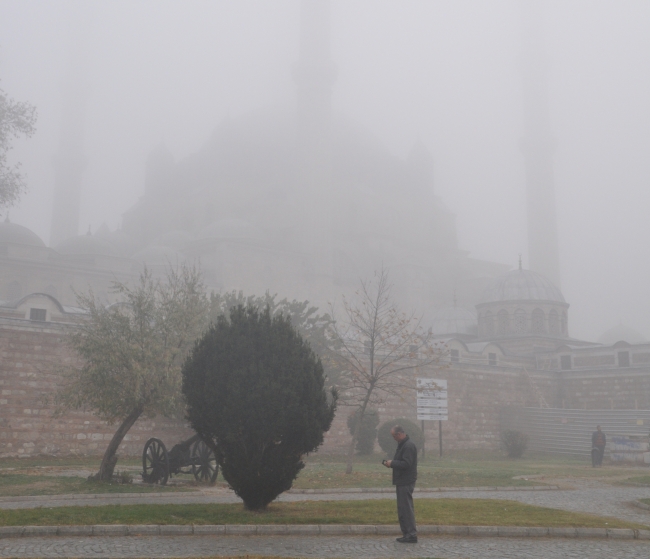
314 75
538 146
69 161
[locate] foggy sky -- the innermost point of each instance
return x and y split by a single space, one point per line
445 72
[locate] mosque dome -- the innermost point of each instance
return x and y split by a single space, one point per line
85 245
452 319
622 332
521 285
12 233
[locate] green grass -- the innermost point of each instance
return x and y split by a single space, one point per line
324 471
327 475
637 480
645 501
467 512
15 485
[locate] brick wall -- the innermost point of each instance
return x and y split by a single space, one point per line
31 357
31 354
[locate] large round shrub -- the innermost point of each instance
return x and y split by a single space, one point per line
389 445
368 431
255 392
515 442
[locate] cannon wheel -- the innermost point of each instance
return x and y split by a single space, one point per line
155 462
204 463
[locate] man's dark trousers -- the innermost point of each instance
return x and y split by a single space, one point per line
405 474
405 511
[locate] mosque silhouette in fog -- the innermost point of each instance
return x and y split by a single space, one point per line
303 203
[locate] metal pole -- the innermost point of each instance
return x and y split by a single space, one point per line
423 440
440 435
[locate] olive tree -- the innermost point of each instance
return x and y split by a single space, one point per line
255 393
131 352
16 119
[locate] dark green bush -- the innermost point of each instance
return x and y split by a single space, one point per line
515 442
388 443
368 431
255 393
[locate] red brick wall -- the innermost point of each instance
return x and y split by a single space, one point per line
30 358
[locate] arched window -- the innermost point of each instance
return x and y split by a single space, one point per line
520 321
553 323
537 325
503 320
563 324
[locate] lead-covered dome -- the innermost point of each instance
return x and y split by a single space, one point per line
12 233
522 303
521 285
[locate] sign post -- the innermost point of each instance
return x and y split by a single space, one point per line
432 403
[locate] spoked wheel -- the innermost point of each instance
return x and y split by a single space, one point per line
204 463
155 462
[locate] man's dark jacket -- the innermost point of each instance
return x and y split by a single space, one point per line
598 437
405 463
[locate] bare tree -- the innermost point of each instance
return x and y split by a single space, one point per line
378 344
132 353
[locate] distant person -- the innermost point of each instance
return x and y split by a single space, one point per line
405 472
598 441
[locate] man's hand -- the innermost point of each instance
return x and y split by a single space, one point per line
387 463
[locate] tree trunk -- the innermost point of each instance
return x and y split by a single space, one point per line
110 457
355 436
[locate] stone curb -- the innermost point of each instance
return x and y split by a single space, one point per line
641 505
315 530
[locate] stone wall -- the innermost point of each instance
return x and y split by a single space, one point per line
476 397
32 354
31 357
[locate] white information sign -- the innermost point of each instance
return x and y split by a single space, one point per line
432 399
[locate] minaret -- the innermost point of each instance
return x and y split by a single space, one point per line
538 146
69 161
314 75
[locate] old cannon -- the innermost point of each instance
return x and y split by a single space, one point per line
191 456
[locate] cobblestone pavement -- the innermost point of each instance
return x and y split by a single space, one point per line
359 547
585 497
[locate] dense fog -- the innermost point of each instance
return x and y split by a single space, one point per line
447 73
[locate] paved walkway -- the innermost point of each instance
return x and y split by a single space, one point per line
358 547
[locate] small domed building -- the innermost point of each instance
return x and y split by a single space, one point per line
523 304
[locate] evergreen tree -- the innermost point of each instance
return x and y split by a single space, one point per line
255 392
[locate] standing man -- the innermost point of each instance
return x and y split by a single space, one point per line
598 441
405 472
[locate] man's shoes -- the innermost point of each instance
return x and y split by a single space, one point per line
408 539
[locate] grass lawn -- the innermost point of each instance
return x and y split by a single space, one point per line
14 485
324 471
641 480
467 512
